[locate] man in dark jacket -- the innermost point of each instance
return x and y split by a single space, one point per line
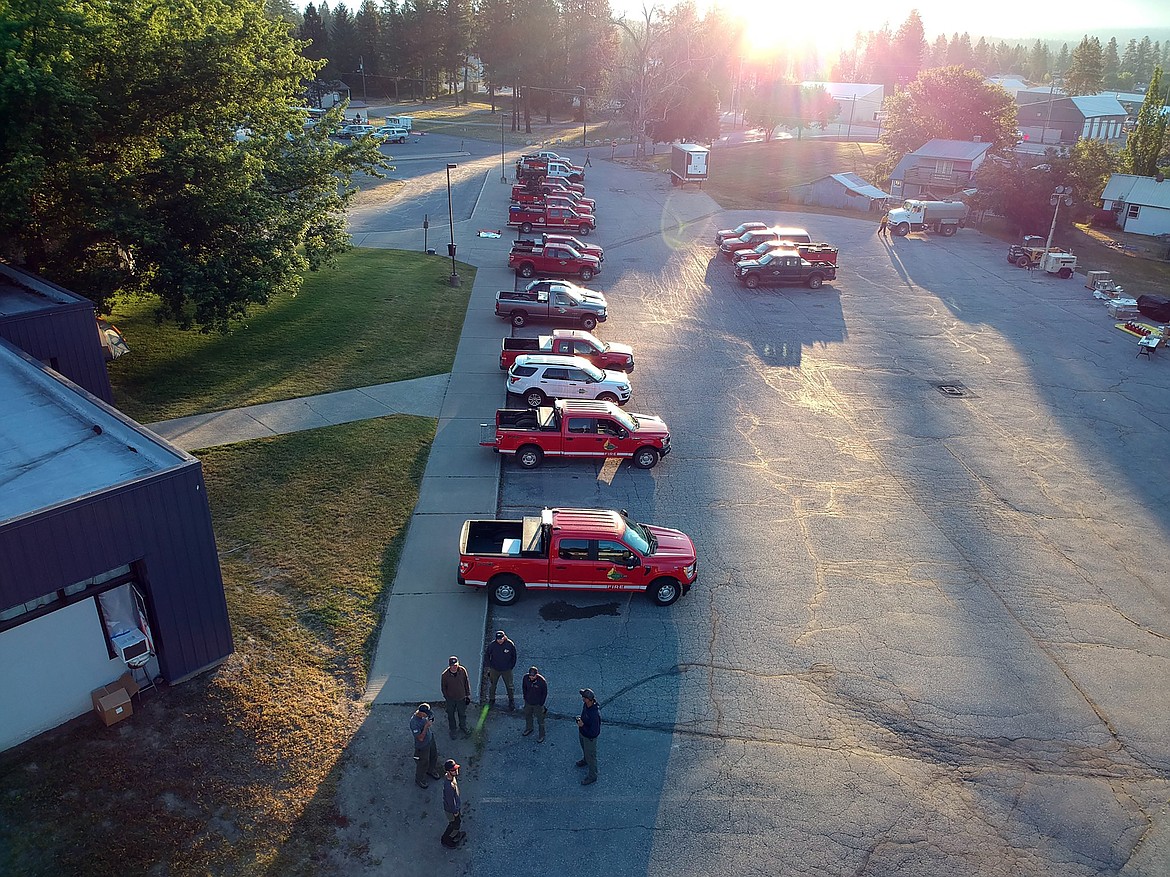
456 689
589 728
426 750
499 659
452 806
535 694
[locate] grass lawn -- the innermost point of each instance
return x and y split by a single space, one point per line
233 773
375 316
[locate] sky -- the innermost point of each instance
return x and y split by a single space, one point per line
999 18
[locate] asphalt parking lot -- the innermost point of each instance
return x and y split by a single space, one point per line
930 634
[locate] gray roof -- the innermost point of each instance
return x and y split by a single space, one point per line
1144 191
58 443
860 186
958 150
849 90
22 293
1092 106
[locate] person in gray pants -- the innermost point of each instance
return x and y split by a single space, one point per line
589 729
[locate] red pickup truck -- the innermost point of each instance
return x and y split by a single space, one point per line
562 199
570 342
528 218
578 429
817 254
595 550
537 194
580 246
529 258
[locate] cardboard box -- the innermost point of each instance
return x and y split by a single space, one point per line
112 704
126 683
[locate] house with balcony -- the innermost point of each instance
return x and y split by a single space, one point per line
938 170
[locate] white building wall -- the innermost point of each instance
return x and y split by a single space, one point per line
48 667
1150 220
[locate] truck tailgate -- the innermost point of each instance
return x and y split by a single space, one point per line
487 435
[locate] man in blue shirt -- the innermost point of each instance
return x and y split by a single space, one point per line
426 750
589 729
535 695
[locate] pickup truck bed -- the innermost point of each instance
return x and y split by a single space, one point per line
505 538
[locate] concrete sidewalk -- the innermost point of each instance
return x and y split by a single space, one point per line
421 396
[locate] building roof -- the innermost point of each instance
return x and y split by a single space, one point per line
1092 106
860 186
22 293
1010 83
58 443
1144 191
848 90
957 150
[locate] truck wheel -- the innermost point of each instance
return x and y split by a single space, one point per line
1064 273
586 273
645 458
948 230
534 398
529 457
505 590
584 230
1023 261
589 323
519 319
607 397
664 591
526 227
526 270
902 229
815 280
752 281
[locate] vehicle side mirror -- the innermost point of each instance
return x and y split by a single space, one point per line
633 561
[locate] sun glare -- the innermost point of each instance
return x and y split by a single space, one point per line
767 37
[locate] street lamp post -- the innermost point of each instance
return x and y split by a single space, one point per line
451 222
582 87
503 167
1063 194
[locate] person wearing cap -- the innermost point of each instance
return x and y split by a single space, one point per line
456 689
452 806
589 729
426 750
499 659
535 689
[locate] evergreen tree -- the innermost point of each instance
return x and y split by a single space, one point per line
343 41
1110 63
1086 69
1143 146
959 52
982 57
1039 62
1145 61
938 52
1062 61
368 25
315 32
1129 60
909 49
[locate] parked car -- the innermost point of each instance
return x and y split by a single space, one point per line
391 134
731 247
351 131
553 301
783 266
570 342
528 258
593 550
728 233
540 377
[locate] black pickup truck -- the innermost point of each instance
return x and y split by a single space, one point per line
780 267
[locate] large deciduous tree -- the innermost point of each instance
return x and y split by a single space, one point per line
950 103
1143 147
790 105
155 149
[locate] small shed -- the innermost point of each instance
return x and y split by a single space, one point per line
842 191
1142 204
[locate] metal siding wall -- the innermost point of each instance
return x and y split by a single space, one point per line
1150 220
166 523
67 333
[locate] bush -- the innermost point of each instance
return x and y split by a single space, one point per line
1103 219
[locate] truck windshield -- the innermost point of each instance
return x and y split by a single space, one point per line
627 420
595 374
639 538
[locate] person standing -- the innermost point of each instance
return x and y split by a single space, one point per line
426 750
499 659
456 689
452 806
535 689
883 226
589 729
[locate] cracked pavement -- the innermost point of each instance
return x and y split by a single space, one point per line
930 634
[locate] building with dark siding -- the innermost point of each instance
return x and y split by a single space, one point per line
105 537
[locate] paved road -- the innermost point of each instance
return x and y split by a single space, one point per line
931 634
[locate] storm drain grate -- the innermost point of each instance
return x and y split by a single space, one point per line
954 390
